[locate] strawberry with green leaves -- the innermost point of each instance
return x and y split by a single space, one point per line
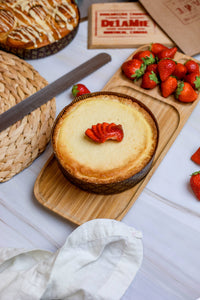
146 56
133 68
195 184
194 80
149 80
79 89
165 68
185 92
152 67
168 86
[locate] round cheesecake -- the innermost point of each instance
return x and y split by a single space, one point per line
111 166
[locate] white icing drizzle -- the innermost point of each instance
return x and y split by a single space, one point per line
6 20
59 10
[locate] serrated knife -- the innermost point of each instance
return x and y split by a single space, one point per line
23 108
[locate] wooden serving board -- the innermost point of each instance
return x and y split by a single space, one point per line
53 190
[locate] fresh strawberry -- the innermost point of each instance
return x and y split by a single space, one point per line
168 86
102 132
134 68
196 156
180 71
149 80
152 67
155 48
167 53
136 55
192 66
194 80
195 184
185 92
165 68
146 56
79 89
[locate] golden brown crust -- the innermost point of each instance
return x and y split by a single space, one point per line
119 172
36 23
7 21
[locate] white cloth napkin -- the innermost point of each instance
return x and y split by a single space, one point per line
98 261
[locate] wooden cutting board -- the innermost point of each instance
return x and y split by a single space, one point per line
54 192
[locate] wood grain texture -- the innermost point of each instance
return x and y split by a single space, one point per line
54 192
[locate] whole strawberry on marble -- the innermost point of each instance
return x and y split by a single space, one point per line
79 89
195 184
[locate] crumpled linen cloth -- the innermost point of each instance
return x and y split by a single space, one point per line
98 261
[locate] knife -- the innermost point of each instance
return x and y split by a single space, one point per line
21 109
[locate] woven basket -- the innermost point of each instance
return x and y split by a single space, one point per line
25 140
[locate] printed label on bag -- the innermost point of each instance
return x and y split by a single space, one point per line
187 11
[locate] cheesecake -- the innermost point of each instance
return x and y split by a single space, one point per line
105 165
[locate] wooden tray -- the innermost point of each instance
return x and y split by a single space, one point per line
54 192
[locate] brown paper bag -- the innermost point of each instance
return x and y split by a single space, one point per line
180 19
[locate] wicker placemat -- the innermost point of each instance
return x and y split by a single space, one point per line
22 142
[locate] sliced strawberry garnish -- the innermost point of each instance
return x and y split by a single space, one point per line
111 126
104 127
116 133
102 132
90 133
95 131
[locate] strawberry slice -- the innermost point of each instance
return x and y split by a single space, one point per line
90 133
102 132
104 127
95 131
111 125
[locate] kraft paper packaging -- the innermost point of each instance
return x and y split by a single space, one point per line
180 20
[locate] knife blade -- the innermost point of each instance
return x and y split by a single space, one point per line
23 108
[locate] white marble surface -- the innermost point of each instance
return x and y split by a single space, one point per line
166 212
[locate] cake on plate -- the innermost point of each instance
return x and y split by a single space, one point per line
37 28
105 142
